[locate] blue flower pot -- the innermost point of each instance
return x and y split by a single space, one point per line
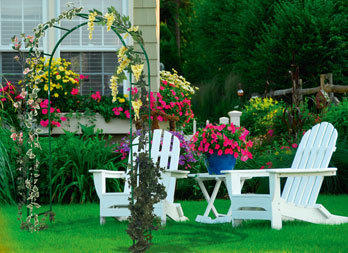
216 163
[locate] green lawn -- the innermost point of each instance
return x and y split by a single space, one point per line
77 229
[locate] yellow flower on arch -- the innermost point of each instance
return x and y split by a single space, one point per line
137 69
136 107
110 18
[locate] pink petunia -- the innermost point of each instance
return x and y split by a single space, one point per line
44 104
74 91
63 118
127 114
220 152
294 145
3 99
55 123
96 96
211 151
44 123
44 111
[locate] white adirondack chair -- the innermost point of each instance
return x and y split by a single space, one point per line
299 196
115 204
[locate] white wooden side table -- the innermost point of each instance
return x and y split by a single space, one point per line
233 180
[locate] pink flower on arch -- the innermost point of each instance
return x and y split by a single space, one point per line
44 111
294 145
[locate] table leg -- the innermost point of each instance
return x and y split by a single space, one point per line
210 199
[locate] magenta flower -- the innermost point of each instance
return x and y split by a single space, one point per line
44 123
74 91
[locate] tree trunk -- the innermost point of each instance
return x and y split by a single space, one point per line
177 28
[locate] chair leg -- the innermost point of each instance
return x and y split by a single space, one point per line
276 221
102 220
236 222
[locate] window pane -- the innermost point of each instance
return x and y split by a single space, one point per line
18 16
11 69
8 29
99 66
100 36
93 84
74 37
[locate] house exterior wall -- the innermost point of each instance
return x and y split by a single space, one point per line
146 15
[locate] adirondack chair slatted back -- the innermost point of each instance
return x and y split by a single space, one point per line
166 151
315 151
135 148
168 157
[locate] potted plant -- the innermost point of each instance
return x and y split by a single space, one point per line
222 145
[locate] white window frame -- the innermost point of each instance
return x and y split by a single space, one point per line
8 48
126 6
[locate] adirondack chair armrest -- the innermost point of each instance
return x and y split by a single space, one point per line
177 173
246 174
109 173
99 178
302 172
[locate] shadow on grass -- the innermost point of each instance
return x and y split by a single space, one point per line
179 237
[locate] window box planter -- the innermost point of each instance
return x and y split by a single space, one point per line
72 124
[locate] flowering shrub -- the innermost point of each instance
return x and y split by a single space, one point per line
223 139
260 114
174 97
64 82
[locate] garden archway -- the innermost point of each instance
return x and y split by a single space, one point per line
124 27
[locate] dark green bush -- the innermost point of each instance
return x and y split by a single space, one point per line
72 156
7 168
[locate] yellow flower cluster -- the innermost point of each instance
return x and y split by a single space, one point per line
113 87
110 18
91 19
137 69
262 103
179 81
122 59
136 107
60 76
267 105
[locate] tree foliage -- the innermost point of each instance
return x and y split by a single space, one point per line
259 40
